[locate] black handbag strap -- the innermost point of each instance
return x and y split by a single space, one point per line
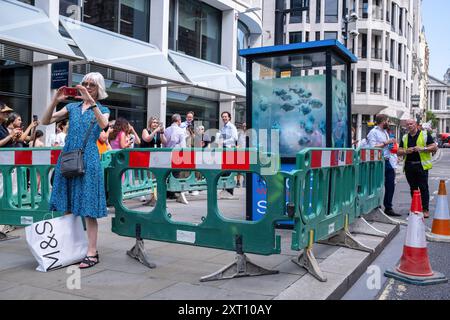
88 133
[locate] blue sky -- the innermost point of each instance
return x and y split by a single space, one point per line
436 19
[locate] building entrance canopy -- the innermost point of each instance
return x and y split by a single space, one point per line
207 75
28 27
112 50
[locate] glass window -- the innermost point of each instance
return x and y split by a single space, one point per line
15 88
364 9
330 35
20 105
172 37
340 105
295 37
128 17
206 111
199 30
295 16
242 43
102 13
15 77
331 11
318 10
70 8
286 98
134 19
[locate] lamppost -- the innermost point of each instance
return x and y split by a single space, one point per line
280 15
349 19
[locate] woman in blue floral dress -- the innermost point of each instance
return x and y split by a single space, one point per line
87 193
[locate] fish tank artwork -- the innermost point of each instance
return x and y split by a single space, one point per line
339 114
296 107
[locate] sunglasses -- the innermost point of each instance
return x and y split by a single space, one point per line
88 84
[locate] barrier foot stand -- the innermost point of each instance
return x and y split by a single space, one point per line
378 215
138 253
344 238
242 267
307 260
5 237
361 226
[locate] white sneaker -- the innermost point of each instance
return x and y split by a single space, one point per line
195 193
182 198
8 228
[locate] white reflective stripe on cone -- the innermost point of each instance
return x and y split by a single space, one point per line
441 212
415 234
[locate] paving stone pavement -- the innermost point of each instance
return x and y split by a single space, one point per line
179 267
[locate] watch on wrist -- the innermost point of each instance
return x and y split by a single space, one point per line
92 107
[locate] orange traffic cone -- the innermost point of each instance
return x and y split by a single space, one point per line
414 264
441 223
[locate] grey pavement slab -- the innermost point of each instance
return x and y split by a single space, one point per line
269 285
188 291
6 285
110 284
185 270
25 292
179 269
309 288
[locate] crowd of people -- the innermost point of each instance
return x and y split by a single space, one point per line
86 124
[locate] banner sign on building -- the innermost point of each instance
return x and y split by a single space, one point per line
60 74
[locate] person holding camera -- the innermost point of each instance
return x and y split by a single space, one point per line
132 136
153 135
14 125
83 194
118 138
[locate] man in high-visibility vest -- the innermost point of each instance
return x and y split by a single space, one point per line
417 146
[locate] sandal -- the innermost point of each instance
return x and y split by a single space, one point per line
89 262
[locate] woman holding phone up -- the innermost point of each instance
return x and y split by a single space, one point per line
87 192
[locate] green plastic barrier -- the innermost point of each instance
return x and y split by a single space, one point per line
192 184
137 183
323 193
21 205
214 231
370 180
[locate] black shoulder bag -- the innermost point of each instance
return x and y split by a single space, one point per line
72 164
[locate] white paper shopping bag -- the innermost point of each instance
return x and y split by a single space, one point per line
57 242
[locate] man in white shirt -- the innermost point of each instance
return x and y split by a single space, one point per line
229 138
175 135
175 138
228 133
379 138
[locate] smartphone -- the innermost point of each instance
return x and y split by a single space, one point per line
71 92
35 117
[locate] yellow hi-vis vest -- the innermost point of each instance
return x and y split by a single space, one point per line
425 157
